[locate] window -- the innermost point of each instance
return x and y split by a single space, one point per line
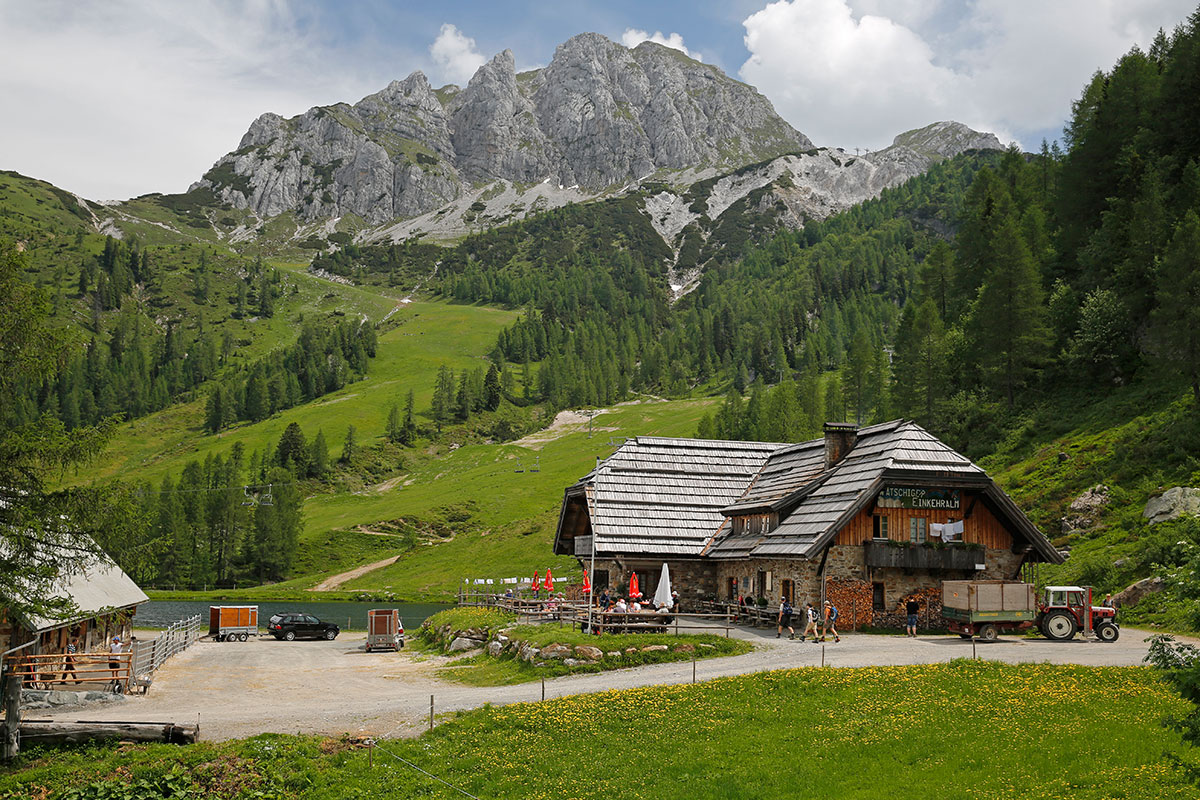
877 601
788 590
917 529
600 580
879 527
733 588
760 584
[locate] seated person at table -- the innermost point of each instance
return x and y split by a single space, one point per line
620 607
636 606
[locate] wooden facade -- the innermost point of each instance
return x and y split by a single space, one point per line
980 527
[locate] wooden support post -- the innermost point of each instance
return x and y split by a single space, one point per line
693 667
370 753
430 712
11 745
543 690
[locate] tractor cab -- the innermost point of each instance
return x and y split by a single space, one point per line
1068 610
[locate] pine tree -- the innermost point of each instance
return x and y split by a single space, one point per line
257 398
491 389
292 451
443 396
1176 321
318 456
408 432
1009 327
937 277
393 426
349 446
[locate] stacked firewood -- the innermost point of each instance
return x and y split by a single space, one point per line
853 600
929 601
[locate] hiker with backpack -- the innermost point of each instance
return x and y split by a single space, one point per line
831 613
811 623
785 619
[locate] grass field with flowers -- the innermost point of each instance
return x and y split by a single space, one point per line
965 729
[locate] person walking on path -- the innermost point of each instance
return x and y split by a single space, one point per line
785 619
810 623
831 613
912 608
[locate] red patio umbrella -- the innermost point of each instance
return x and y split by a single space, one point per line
633 586
537 579
587 586
549 581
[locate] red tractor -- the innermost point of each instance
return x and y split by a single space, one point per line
1068 610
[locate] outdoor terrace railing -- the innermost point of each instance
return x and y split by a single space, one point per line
108 670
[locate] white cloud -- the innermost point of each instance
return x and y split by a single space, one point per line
130 96
632 37
456 55
856 76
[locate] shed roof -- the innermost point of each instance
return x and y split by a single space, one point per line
99 586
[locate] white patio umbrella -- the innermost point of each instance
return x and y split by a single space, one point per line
662 595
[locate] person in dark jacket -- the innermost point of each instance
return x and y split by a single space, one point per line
785 619
912 608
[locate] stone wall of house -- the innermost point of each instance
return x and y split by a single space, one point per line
694 579
847 565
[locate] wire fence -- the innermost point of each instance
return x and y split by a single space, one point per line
148 656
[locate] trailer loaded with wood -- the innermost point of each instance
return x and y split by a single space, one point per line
232 623
988 608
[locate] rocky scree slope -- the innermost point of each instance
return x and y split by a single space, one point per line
598 116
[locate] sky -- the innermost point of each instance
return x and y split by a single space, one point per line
118 98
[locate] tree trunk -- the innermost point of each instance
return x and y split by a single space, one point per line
10 745
84 731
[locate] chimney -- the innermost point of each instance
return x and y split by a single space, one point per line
840 438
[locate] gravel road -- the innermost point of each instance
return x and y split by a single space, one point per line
240 689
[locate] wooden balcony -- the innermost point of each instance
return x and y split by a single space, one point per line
950 557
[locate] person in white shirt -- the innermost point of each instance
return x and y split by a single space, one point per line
620 607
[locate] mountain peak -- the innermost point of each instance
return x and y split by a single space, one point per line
946 139
598 116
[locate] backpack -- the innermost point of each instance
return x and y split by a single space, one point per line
787 608
832 613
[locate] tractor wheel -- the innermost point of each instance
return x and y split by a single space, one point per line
1107 632
1060 626
988 633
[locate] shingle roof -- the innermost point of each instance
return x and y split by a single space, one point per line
660 495
672 496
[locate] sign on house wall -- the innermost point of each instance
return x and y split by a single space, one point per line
918 497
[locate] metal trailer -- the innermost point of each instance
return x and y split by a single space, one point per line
988 608
385 631
232 623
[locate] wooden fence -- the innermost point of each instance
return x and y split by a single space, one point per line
576 615
107 670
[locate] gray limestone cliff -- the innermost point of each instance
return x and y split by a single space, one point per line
598 116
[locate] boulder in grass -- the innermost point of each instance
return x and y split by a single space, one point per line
655 648
528 653
614 654
556 651
1132 595
589 652
495 649
707 646
630 650
462 643
1174 502
571 662
685 648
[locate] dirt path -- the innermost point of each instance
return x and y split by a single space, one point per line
564 422
334 581
241 689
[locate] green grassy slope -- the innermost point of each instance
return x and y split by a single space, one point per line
512 516
426 335
1138 441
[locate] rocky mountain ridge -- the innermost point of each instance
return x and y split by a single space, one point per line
598 116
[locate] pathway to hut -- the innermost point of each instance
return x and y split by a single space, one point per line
244 688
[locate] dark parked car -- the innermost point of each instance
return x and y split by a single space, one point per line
294 625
